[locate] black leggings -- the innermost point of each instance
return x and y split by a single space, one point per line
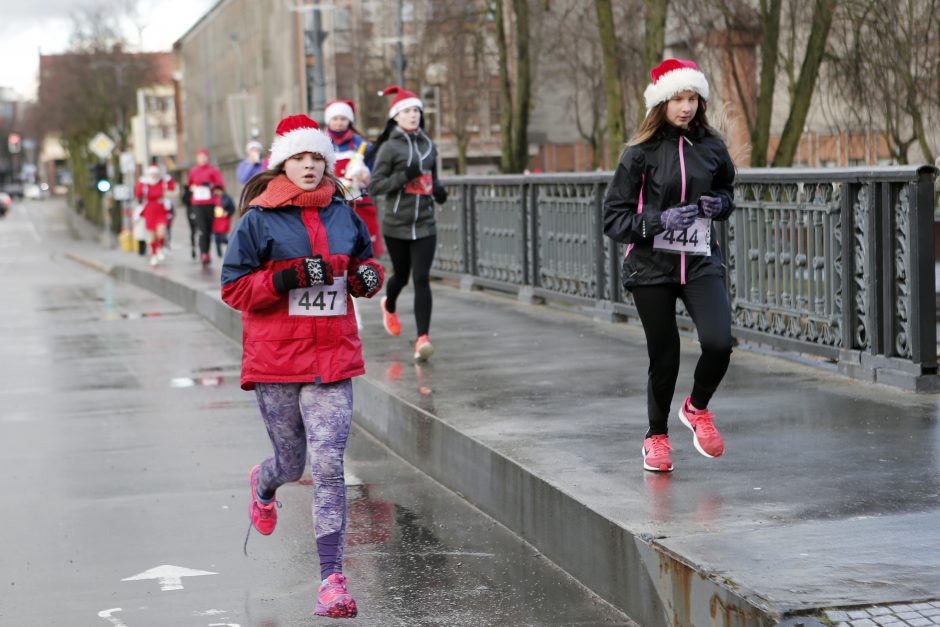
412 257
706 300
204 216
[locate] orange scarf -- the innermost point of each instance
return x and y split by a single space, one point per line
280 192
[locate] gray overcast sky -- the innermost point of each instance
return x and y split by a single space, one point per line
28 26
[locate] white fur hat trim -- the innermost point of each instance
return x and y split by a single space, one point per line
301 140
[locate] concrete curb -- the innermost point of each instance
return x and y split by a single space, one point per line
633 572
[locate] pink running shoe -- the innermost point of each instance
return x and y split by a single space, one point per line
656 454
333 600
389 319
706 438
263 515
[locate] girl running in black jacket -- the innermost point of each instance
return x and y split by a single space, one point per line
673 180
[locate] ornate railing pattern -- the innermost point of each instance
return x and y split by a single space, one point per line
835 263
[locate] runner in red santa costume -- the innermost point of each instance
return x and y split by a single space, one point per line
151 192
351 167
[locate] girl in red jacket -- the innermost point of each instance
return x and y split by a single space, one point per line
294 261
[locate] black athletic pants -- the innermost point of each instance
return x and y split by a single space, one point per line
706 300
204 216
412 257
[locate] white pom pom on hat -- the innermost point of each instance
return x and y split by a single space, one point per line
671 77
296 134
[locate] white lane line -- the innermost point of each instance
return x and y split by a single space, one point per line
106 614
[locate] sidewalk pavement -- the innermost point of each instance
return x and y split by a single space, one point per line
825 503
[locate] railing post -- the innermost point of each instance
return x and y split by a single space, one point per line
600 270
849 195
923 297
524 230
534 230
883 275
472 232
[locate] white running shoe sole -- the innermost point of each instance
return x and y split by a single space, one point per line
688 423
424 352
653 468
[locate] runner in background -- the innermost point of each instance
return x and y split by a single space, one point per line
202 177
151 191
404 179
222 218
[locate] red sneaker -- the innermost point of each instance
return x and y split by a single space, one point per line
333 600
263 515
390 320
706 438
656 454
423 348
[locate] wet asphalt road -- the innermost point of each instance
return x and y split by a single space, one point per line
125 444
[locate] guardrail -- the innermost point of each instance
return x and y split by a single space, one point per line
833 263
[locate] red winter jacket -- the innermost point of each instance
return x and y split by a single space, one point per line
204 177
279 347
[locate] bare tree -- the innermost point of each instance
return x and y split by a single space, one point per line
513 39
654 43
613 85
887 63
802 94
91 88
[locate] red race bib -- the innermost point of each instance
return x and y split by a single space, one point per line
422 185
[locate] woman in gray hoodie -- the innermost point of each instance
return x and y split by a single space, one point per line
405 185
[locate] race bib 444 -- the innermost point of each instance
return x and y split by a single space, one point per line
321 300
695 240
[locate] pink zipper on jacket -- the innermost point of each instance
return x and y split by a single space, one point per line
639 210
682 199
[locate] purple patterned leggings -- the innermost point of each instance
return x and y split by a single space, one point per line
309 420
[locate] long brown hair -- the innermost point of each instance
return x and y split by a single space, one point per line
655 119
259 182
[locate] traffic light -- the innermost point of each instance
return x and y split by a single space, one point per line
102 182
14 143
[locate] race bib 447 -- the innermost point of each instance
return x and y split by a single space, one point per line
321 300
695 240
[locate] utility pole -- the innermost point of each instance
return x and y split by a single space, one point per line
314 36
400 61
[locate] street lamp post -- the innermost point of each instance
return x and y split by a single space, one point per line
436 76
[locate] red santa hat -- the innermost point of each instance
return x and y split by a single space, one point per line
671 77
403 99
202 151
345 108
296 134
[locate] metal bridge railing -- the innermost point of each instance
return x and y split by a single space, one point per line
834 263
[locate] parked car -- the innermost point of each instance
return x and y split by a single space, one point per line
35 192
6 203
15 190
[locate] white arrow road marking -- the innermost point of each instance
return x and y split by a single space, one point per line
106 614
170 577
224 625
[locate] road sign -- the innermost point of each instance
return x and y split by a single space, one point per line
127 163
122 192
101 145
170 577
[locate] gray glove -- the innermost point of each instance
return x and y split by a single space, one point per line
679 218
713 206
